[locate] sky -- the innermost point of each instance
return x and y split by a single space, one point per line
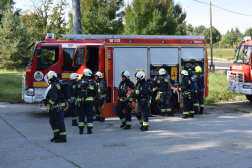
198 13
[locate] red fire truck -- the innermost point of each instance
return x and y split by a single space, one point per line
240 75
112 54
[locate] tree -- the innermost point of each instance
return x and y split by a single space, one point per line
238 32
189 29
248 32
14 40
4 4
154 17
216 36
230 38
198 30
101 17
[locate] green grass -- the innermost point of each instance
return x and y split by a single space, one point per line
222 53
218 89
11 84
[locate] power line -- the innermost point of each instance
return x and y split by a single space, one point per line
223 8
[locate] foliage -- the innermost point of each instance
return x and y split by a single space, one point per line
7 4
198 30
248 32
154 17
189 29
14 39
230 38
216 36
218 89
101 16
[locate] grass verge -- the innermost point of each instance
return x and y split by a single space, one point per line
11 85
218 89
222 53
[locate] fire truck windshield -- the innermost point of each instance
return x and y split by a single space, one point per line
32 56
243 54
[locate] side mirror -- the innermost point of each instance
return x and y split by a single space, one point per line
39 61
244 58
39 51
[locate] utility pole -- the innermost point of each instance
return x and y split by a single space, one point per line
212 67
77 29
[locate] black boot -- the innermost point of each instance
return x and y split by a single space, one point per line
201 110
141 127
196 111
96 118
170 114
123 124
89 131
102 119
56 136
81 130
127 127
74 123
185 116
61 139
191 115
145 128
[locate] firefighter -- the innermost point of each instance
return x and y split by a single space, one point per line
99 100
194 79
200 75
124 102
86 90
164 91
141 96
55 103
73 104
187 89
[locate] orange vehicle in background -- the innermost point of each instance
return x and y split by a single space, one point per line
240 75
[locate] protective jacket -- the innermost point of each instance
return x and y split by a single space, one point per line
102 88
186 85
55 94
200 80
123 89
141 90
88 92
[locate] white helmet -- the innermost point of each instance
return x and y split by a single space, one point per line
126 74
51 74
162 71
140 75
74 76
99 74
87 72
184 72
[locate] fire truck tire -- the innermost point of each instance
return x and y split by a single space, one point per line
155 107
249 97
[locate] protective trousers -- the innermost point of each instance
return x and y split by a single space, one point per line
188 107
73 109
57 121
126 116
196 102
142 112
201 101
97 107
165 104
86 109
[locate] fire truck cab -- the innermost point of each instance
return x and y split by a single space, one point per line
240 75
112 54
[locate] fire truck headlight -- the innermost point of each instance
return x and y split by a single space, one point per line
30 92
246 86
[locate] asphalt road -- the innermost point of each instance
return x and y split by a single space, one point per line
220 65
220 138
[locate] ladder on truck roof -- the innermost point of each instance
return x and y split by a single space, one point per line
103 36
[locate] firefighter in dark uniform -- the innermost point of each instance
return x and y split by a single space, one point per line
187 89
165 93
124 102
141 96
194 79
86 90
55 103
73 104
201 86
99 100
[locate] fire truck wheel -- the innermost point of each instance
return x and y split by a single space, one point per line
249 97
